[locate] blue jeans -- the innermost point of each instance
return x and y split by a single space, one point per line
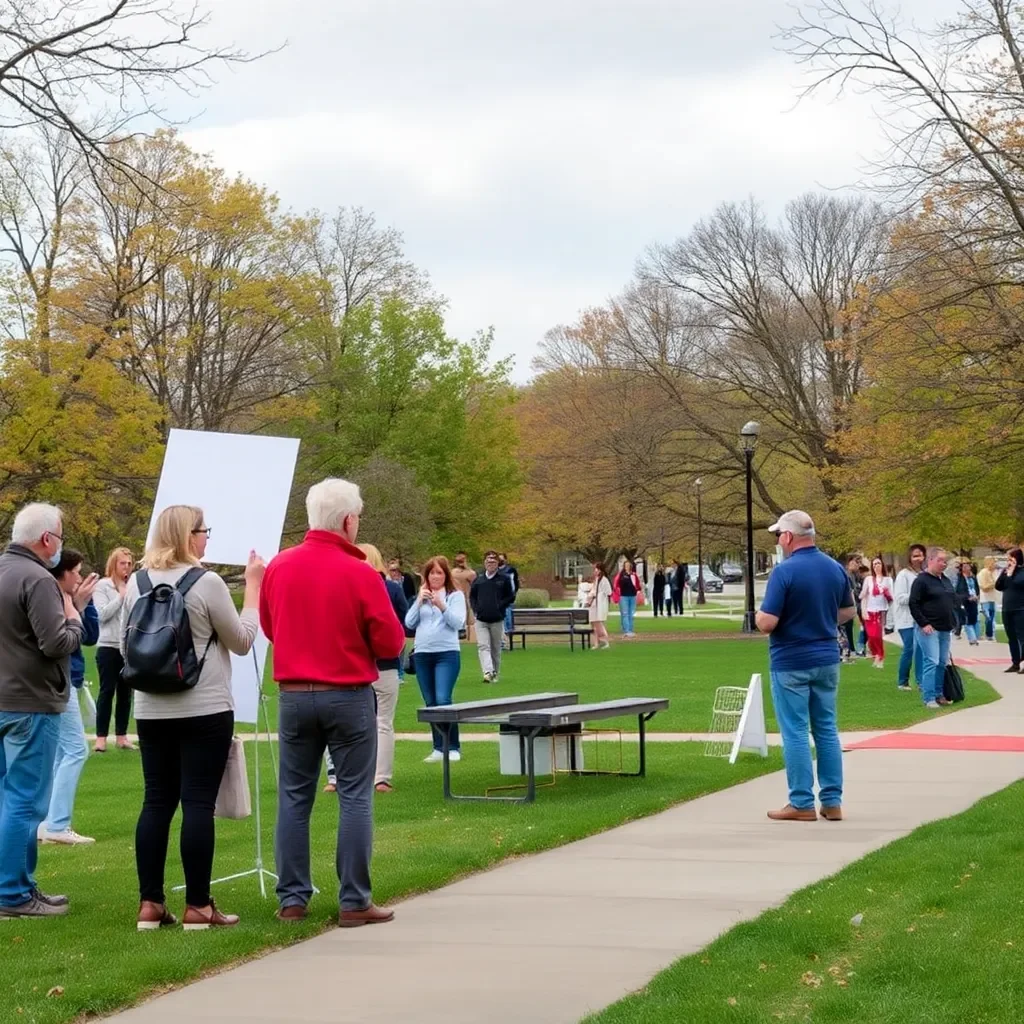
72 751
988 609
28 741
910 653
508 620
806 699
627 610
934 648
437 674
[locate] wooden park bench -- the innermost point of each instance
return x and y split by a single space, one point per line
571 622
541 714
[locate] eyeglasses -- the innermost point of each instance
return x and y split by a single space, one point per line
204 529
59 536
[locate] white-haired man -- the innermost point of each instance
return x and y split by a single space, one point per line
807 597
329 617
40 628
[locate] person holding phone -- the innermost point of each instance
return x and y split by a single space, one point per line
1011 585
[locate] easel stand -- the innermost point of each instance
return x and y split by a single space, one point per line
258 869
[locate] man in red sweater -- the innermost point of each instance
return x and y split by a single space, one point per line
329 617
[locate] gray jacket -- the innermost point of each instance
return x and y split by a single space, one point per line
36 639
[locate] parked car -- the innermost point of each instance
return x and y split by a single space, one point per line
731 572
713 583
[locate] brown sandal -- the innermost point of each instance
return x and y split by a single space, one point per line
384 787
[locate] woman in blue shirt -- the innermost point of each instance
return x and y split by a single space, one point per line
437 615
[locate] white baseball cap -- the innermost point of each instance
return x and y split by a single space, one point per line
798 523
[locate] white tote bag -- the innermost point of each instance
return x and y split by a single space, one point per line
233 798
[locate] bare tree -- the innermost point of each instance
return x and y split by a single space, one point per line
120 53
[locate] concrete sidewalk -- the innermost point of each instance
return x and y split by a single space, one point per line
550 937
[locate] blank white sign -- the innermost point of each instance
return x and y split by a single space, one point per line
246 676
240 481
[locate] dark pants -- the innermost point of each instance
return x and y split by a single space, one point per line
658 600
183 761
677 601
1013 623
848 630
109 664
437 674
343 721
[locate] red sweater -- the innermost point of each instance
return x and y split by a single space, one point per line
327 613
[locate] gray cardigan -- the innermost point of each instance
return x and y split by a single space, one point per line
36 639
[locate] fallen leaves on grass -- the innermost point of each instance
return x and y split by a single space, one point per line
811 980
57 990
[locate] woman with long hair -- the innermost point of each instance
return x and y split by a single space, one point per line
437 615
115 694
597 601
185 736
875 597
987 597
967 595
626 591
1011 585
385 688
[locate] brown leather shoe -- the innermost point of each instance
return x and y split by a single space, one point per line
153 916
293 913
198 919
832 813
791 813
371 915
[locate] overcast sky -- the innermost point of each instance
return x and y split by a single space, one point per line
528 151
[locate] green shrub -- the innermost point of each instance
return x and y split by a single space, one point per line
532 597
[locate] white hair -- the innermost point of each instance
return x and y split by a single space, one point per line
330 501
33 521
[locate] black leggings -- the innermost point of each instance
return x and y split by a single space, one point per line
659 601
109 664
183 760
1013 623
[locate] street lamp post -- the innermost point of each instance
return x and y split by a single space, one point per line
700 549
748 439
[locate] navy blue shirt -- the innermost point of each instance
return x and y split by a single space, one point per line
806 592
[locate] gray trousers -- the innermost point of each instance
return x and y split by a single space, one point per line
488 646
343 721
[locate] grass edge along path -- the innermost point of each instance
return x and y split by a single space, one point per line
100 964
939 942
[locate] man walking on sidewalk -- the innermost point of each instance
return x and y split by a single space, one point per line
489 596
933 606
904 621
808 594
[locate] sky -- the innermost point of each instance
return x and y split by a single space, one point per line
529 152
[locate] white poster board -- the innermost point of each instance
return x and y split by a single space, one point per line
751 733
240 481
245 680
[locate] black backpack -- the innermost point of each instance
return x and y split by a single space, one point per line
159 656
953 684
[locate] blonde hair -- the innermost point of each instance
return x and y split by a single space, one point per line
114 557
990 561
169 546
373 556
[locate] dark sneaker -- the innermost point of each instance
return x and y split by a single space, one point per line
371 915
34 907
294 913
198 919
153 916
54 901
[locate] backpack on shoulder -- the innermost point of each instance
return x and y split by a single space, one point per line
159 656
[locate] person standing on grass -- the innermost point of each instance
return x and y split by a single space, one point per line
597 603
658 592
904 621
625 592
875 598
185 735
987 596
463 576
437 616
115 694
1011 585
807 597
509 570
489 596
967 595
406 579
679 583
933 606
40 628
72 749
327 613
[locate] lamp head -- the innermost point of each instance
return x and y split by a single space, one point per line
749 435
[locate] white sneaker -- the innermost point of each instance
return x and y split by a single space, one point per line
454 755
933 704
433 757
69 837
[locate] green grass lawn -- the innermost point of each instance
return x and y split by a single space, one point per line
99 960
687 672
940 941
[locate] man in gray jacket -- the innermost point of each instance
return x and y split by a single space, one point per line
40 627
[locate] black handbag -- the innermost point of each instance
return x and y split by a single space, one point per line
953 684
409 668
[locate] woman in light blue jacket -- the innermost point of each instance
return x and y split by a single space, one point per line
437 615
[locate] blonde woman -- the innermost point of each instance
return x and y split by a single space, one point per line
185 736
386 688
987 596
114 693
597 601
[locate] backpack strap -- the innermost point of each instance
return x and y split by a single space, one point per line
143 582
183 586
